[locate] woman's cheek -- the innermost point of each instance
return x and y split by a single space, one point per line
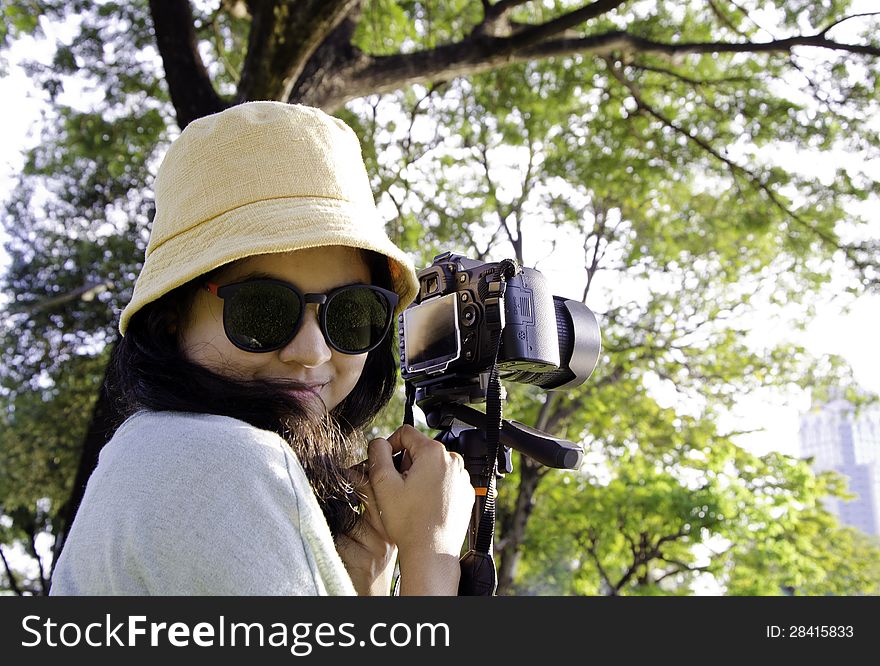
348 372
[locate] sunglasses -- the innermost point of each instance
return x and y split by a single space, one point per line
264 314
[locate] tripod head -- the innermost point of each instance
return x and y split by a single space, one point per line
536 444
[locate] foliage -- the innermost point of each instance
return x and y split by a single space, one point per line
659 187
39 455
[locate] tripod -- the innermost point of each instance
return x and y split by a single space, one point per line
478 574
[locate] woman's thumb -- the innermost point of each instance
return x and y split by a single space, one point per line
384 477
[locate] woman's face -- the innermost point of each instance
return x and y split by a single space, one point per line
331 375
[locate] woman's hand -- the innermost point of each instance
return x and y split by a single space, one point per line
367 552
424 510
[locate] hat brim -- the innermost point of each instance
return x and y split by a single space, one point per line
262 227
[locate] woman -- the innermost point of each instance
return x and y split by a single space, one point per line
255 348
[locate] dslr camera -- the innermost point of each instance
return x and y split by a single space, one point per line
450 334
469 319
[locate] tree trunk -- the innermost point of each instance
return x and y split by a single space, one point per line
192 92
530 476
516 531
326 77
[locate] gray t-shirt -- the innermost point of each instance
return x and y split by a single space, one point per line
195 504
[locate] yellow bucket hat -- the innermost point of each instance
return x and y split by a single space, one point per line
257 178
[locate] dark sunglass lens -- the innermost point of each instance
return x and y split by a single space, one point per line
261 315
357 318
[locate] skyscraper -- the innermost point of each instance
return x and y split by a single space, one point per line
849 444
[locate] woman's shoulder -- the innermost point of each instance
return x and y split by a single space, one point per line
179 501
188 423
188 433
176 445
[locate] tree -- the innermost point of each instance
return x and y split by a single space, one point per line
640 134
660 521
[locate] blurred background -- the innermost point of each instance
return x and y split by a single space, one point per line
702 174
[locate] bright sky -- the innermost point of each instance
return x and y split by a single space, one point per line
851 335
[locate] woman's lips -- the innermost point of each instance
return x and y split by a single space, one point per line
308 389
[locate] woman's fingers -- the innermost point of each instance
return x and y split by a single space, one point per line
413 443
384 477
373 515
427 507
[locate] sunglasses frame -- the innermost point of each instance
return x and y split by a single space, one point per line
226 290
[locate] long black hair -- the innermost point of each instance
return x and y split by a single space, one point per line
150 371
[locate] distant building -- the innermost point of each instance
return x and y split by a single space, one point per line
839 440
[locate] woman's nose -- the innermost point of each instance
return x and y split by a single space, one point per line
308 347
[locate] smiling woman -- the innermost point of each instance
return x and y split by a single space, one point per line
306 357
256 346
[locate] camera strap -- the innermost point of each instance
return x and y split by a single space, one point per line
408 418
478 574
486 529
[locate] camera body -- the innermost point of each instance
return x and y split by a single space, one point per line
449 334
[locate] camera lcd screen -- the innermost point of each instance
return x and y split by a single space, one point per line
430 334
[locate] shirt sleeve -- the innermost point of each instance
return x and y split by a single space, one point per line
206 507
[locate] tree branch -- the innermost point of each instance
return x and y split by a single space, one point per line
836 23
724 19
515 208
626 576
734 167
667 538
531 35
327 75
737 433
86 293
623 42
823 98
526 184
591 549
221 47
189 85
504 6
495 22
284 35
478 53
482 254
13 585
32 542
687 79
515 241
546 411
411 157
745 12
682 567
601 219
515 525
